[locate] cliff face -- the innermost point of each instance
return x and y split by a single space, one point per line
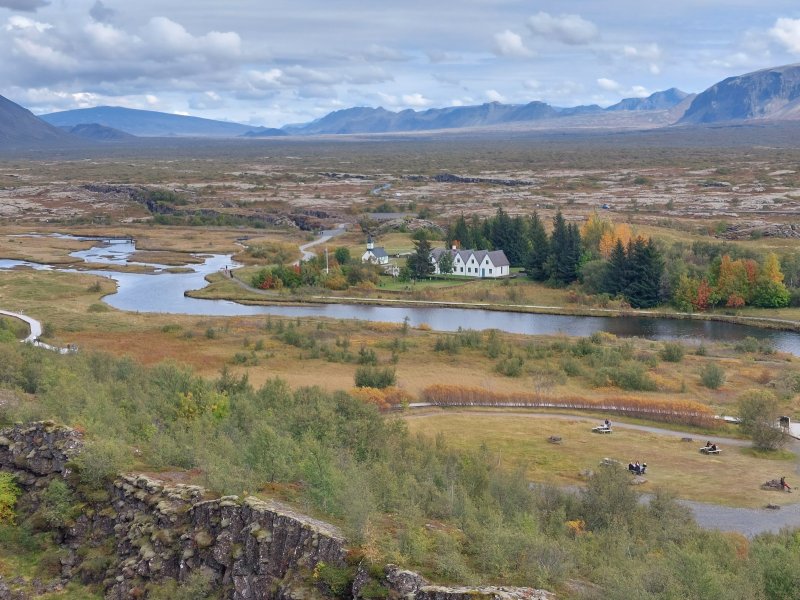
146 531
766 94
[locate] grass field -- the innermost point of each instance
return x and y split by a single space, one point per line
732 478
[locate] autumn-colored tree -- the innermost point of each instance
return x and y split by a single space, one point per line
704 298
771 269
593 231
770 291
621 232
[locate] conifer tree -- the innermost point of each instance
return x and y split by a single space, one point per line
539 249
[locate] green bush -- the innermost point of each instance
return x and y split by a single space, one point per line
672 352
712 376
510 366
9 492
101 461
375 377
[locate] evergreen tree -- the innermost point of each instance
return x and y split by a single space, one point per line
517 246
565 251
645 268
477 239
616 280
459 232
500 231
539 249
419 263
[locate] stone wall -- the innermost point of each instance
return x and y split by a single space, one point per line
145 531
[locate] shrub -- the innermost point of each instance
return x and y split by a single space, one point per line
510 366
758 410
367 356
712 376
9 492
100 462
672 352
375 377
57 504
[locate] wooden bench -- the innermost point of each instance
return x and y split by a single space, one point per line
601 429
707 450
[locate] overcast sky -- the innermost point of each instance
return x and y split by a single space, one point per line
273 62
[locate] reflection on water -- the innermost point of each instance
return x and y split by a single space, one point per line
163 292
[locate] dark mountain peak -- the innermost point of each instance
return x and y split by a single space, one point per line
772 93
262 132
20 128
656 101
101 133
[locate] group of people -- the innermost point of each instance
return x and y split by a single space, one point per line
711 447
636 468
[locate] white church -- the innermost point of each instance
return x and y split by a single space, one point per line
374 255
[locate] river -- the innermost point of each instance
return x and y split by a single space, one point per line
163 292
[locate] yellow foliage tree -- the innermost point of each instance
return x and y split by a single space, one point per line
771 270
621 232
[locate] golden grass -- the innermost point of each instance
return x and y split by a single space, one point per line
732 478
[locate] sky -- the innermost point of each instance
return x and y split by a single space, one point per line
274 62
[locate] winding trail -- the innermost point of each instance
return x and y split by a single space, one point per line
323 237
35 331
747 521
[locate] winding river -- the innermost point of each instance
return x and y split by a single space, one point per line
163 292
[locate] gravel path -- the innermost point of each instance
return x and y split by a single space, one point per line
747 521
35 331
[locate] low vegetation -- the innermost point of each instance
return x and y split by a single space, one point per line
458 515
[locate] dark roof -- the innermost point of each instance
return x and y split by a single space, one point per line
378 252
499 259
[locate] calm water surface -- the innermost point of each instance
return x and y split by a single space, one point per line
163 292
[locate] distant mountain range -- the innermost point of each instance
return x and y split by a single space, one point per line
19 128
146 123
766 95
772 94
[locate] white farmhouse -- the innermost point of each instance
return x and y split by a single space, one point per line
374 255
474 263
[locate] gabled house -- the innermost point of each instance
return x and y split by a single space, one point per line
474 263
374 255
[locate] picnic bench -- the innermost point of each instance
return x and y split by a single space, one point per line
601 429
708 450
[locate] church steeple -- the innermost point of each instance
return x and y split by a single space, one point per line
370 243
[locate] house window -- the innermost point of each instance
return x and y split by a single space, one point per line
462 269
490 271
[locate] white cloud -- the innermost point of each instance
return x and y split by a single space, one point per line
17 23
786 32
568 29
495 96
508 43
649 54
164 36
609 84
415 100
43 55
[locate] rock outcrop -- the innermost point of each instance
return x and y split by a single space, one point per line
141 532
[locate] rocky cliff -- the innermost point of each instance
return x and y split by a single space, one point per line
767 94
141 531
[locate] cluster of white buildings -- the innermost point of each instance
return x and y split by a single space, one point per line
467 263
